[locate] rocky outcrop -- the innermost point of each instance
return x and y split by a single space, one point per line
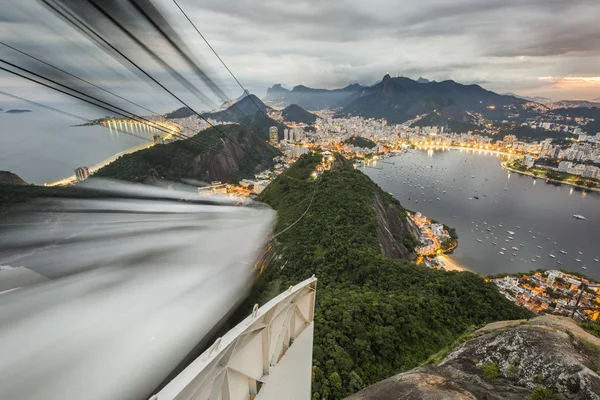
508 360
8 178
393 230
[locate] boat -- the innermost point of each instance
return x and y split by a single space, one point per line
552 255
559 263
515 248
476 198
563 252
501 252
540 247
510 238
521 244
537 256
595 259
578 260
480 241
584 267
577 216
494 243
510 233
580 252
518 227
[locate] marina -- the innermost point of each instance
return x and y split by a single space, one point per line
528 216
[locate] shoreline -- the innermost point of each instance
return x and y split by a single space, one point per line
453 265
507 168
72 179
474 149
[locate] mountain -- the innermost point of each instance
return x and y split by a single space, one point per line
8 178
309 98
231 102
574 104
297 114
243 107
423 80
246 107
377 313
401 99
192 159
182 112
547 357
537 99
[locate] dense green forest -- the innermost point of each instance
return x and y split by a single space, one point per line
361 142
194 158
375 316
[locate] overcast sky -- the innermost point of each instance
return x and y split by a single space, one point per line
545 48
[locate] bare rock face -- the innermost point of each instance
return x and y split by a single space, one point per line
391 227
506 361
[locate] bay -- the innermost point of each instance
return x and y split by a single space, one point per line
42 146
539 214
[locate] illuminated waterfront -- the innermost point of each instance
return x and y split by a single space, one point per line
42 146
418 178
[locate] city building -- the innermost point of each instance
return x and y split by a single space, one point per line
565 166
82 173
273 135
528 160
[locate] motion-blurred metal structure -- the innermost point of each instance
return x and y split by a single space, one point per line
268 356
108 290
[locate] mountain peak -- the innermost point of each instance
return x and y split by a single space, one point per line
423 80
277 89
387 77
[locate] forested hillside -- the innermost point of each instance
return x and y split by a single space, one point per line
207 156
375 316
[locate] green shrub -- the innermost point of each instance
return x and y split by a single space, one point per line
490 371
541 393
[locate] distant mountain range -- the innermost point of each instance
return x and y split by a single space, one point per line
537 99
553 104
573 104
309 98
400 99
297 114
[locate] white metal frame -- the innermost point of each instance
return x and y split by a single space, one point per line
238 364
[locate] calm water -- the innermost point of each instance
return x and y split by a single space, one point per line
418 178
42 146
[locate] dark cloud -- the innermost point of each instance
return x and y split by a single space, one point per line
503 45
